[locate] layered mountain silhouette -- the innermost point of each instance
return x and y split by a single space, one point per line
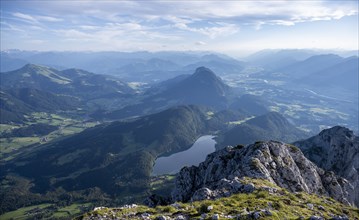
311 65
271 126
342 75
277 59
254 105
203 88
324 72
219 65
9 63
72 81
154 64
16 103
140 66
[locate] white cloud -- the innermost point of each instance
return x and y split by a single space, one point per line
178 20
89 27
151 24
6 26
183 14
236 12
36 28
25 17
36 41
222 29
199 43
272 11
72 34
113 33
48 18
35 18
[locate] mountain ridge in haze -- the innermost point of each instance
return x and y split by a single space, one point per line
312 65
203 87
17 103
271 126
70 81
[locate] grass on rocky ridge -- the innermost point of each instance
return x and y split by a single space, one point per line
282 205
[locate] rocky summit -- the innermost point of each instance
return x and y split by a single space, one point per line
335 149
281 164
265 180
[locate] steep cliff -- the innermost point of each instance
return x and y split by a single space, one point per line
283 165
335 149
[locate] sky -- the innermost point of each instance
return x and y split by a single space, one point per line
231 27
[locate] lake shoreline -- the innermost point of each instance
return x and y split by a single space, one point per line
197 153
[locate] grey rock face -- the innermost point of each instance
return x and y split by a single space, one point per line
215 217
221 172
335 149
202 194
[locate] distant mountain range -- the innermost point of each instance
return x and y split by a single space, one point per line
203 87
105 97
35 88
271 126
343 74
136 66
279 59
16 103
71 82
311 65
111 98
276 59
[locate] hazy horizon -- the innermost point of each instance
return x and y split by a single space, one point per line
236 28
238 55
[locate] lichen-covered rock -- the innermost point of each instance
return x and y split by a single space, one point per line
202 194
335 149
279 163
215 217
162 217
314 217
340 218
181 217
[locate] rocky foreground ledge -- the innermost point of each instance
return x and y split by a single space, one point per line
281 164
265 180
266 201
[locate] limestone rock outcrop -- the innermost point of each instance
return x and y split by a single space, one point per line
281 164
335 149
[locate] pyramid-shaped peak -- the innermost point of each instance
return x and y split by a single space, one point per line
204 72
203 69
